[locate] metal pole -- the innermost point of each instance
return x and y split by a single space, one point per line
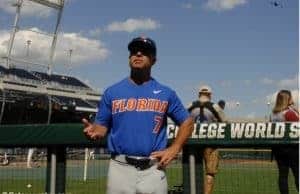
49 109
53 172
14 31
192 174
28 45
54 40
199 171
237 115
85 164
268 115
5 160
56 170
186 170
192 169
70 60
27 51
3 106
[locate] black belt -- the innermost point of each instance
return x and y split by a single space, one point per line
137 162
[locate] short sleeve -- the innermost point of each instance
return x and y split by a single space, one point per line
291 115
176 111
103 116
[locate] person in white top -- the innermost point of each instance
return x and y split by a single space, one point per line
205 111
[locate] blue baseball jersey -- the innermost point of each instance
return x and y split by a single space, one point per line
136 116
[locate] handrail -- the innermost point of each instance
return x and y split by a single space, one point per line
217 134
57 137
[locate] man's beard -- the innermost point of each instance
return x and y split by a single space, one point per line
140 74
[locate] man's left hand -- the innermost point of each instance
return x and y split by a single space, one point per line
165 156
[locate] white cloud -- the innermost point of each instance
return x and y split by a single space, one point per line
283 83
226 83
187 5
95 33
4 38
267 81
223 5
288 83
251 115
131 25
28 8
85 50
247 82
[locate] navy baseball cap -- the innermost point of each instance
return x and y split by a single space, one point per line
143 43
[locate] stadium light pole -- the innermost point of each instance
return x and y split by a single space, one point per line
70 60
237 104
28 42
18 6
268 116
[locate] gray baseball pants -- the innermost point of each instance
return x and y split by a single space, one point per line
124 178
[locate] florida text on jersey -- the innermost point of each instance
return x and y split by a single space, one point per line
137 116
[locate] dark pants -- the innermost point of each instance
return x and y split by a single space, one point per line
287 157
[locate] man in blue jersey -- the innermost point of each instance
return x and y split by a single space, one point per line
133 113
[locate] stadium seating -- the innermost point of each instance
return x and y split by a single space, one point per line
22 106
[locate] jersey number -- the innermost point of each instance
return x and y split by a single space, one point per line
158 122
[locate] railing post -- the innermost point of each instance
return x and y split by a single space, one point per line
198 151
56 170
192 169
185 170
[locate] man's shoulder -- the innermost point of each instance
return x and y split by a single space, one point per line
161 86
117 85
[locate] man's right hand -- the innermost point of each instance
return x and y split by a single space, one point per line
93 131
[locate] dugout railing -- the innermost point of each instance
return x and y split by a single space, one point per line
56 138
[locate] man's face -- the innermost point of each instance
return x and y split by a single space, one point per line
141 58
204 94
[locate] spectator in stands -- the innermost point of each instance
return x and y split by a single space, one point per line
205 111
286 156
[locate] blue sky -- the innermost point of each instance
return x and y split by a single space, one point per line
246 50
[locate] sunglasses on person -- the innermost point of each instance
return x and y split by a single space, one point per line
140 50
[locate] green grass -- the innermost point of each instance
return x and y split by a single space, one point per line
97 186
255 178
22 186
232 178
